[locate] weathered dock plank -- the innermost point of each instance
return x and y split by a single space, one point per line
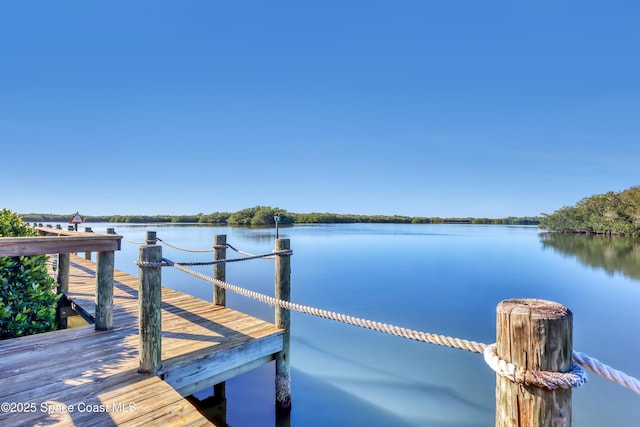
95 373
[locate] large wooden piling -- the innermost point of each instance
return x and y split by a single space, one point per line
283 320
63 287
104 290
220 298
220 270
535 335
149 306
63 272
87 255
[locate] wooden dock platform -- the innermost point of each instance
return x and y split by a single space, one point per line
82 376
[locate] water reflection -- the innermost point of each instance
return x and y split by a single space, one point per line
612 254
214 408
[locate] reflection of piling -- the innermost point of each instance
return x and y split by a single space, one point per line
283 320
535 335
149 306
87 255
212 407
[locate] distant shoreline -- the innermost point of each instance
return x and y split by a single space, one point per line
264 215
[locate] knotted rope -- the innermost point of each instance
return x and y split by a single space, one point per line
545 379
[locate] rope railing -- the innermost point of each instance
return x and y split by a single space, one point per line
227 245
168 263
133 241
184 249
343 318
549 380
242 252
607 371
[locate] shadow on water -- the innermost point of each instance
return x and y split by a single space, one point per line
330 405
214 408
376 377
612 254
393 395
321 400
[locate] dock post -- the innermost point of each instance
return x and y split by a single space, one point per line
220 298
149 306
220 270
63 287
104 290
536 335
63 272
87 255
283 320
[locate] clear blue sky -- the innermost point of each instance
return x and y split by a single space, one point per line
425 108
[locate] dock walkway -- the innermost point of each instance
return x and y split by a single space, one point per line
81 376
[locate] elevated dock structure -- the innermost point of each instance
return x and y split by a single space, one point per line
89 375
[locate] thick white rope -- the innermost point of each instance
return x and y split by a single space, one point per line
549 380
350 320
607 371
227 245
242 252
133 241
183 249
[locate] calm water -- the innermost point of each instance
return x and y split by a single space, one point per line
445 279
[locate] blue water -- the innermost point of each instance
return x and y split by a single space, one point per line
445 279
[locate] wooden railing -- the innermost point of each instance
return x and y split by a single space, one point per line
65 242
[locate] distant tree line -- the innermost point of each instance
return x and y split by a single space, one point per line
609 214
264 215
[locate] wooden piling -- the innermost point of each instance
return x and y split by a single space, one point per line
63 272
220 298
62 267
536 335
87 255
283 320
149 306
104 290
220 270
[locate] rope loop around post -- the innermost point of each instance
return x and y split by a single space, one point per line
543 379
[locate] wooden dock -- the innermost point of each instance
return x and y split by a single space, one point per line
86 376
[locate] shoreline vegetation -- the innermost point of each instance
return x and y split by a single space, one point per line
264 215
609 214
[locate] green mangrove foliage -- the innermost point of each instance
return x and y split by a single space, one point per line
27 292
259 215
263 215
610 213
